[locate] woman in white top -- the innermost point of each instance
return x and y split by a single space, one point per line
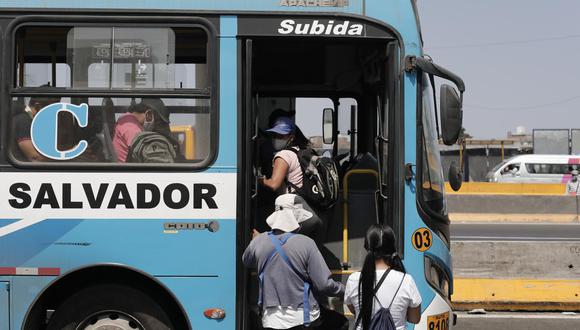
398 287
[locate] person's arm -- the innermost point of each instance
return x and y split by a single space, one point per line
413 314
30 151
320 274
249 257
414 309
279 173
350 293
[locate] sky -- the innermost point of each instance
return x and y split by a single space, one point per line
520 60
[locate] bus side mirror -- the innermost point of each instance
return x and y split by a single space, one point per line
455 177
327 125
451 114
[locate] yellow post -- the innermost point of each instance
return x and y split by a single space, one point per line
188 139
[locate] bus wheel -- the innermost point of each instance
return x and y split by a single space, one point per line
109 306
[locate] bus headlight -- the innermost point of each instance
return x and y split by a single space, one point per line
437 277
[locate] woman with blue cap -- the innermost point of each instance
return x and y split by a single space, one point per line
286 172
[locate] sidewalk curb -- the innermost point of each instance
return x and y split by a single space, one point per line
516 294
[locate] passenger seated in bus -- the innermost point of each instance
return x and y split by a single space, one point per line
22 123
286 262
143 134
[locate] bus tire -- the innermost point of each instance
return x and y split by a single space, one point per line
121 305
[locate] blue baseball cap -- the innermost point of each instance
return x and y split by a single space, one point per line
282 126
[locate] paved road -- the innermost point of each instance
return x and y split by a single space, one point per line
517 321
515 232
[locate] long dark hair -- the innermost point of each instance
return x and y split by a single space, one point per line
300 140
380 244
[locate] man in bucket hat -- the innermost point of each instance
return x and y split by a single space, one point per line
290 267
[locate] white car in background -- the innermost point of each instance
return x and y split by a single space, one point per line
535 169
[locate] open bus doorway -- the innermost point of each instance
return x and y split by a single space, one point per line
357 81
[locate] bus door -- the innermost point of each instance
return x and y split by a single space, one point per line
342 93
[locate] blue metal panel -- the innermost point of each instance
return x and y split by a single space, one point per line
199 294
24 290
227 155
354 6
414 261
69 244
139 243
4 305
400 15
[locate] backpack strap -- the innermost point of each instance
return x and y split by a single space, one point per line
274 251
376 289
306 286
290 185
397 291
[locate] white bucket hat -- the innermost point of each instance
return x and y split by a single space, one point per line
289 212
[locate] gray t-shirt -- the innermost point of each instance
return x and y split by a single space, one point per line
282 287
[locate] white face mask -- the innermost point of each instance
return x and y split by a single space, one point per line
279 144
148 125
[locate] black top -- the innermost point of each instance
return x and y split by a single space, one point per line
21 124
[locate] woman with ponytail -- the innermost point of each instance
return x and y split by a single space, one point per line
397 291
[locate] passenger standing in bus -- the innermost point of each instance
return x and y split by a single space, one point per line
267 151
22 123
286 171
290 267
398 291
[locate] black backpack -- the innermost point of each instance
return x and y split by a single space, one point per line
320 181
382 320
151 147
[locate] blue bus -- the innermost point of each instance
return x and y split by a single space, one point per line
90 238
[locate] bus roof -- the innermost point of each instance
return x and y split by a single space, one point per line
401 15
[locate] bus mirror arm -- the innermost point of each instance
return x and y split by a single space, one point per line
413 62
451 104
